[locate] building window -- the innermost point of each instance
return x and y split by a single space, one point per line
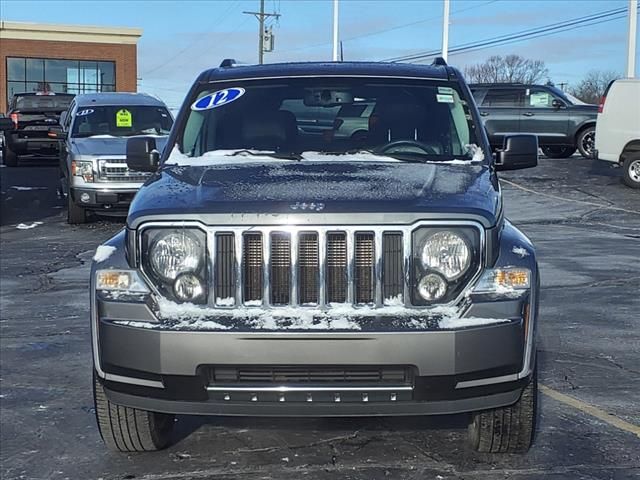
61 76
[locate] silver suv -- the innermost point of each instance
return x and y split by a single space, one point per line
93 171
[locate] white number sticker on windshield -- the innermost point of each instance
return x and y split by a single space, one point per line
86 111
218 99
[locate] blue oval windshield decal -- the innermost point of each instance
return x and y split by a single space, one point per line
218 99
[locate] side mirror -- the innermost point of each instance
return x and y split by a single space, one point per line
519 151
6 124
63 117
555 103
142 154
57 133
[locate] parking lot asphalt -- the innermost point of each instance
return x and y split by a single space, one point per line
586 227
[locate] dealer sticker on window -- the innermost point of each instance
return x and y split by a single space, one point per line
123 118
86 111
218 99
444 98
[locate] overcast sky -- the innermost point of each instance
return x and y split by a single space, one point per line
181 38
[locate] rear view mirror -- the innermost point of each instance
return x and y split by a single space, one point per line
519 151
319 97
6 124
142 154
555 103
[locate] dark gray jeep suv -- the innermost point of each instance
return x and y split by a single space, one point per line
563 124
265 270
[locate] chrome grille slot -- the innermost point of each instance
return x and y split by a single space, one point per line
308 268
364 267
252 267
392 261
224 270
116 170
280 265
336 270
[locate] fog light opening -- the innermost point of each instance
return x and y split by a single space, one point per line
188 287
432 287
85 198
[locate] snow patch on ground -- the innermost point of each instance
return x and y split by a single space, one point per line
520 251
103 252
24 226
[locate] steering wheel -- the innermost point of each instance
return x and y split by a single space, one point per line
428 149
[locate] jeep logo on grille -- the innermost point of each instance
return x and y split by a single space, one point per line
307 206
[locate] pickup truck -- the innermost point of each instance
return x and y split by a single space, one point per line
32 115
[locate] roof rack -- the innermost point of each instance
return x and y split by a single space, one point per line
439 61
228 62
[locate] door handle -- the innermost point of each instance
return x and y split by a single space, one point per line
529 114
484 114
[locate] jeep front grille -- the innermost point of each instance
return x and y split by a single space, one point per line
315 267
116 170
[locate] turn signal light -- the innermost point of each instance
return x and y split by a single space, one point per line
514 278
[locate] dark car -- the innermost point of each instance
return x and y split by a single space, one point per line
562 123
32 115
265 270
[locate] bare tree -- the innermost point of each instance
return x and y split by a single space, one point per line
508 69
593 85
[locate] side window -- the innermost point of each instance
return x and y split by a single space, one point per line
503 97
539 98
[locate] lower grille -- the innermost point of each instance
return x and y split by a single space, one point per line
369 375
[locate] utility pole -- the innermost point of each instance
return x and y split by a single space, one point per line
261 16
445 30
633 38
335 31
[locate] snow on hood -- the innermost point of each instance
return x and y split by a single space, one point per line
223 157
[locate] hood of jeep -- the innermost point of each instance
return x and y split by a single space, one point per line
310 188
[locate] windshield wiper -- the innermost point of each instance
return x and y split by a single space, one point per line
278 155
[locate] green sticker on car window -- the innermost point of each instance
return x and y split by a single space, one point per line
123 118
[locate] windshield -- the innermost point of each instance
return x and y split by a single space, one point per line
419 120
121 121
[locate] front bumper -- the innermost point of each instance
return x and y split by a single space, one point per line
104 199
148 366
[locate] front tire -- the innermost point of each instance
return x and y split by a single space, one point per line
9 158
125 429
586 141
631 171
558 152
507 429
75 214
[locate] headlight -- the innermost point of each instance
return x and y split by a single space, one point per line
445 259
446 252
174 253
82 169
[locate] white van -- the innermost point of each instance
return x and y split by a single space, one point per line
618 128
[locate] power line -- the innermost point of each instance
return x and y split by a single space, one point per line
512 36
385 30
218 21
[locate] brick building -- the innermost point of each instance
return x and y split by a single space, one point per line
66 58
